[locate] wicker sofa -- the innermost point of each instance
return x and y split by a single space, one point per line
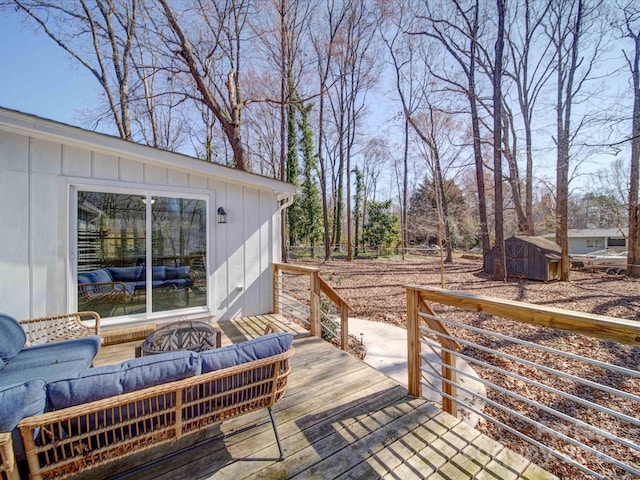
33 352
104 414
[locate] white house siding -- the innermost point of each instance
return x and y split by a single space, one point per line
37 274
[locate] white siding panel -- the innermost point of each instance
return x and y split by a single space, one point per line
251 227
105 166
267 206
219 264
76 162
197 182
46 157
14 243
177 179
48 245
14 152
235 250
131 171
155 175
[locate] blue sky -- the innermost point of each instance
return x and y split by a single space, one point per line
38 77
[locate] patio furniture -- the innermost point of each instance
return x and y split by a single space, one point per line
33 352
107 413
117 285
184 335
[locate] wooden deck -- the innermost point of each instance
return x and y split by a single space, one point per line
340 418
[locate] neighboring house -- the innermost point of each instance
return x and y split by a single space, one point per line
591 239
90 221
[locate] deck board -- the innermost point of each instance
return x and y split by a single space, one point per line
340 418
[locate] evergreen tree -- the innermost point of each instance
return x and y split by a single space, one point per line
357 207
382 229
310 227
294 214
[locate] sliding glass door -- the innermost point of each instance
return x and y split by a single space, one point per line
140 253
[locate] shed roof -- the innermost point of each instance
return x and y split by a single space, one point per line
34 126
551 250
593 232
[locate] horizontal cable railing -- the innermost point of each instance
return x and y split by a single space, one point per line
301 293
565 382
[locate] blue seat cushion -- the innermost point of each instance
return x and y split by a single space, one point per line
50 373
21 400
102 382
174 273
76 349
12 338
256 349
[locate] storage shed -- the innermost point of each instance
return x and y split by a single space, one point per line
94 222
535 258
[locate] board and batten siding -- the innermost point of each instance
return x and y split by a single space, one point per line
37 181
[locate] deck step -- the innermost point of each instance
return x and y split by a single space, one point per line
128 334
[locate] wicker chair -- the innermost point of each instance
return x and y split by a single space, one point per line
8 465
104 293
61 327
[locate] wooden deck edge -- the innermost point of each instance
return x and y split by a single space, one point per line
128 334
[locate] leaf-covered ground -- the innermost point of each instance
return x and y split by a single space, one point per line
375 288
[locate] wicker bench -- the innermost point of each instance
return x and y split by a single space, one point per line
71 440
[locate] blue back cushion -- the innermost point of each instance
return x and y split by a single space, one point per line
12 338
158 273
256 349
95 276
127 274
102 382
20 401
173 273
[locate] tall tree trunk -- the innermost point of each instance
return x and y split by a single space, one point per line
499 267
633 258
477 146
405 187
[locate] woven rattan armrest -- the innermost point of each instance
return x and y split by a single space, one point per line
61 327
7 459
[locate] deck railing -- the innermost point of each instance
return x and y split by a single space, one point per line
301 292
578 406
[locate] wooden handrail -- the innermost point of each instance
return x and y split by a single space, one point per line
317 285
335 297
607 328
295 268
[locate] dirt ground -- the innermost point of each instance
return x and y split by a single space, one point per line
375 288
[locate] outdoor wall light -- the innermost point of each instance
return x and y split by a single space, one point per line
222 215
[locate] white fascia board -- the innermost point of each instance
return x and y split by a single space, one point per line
34 126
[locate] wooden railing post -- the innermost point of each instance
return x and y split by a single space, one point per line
448 360
414 348
314 320
344 326
277 286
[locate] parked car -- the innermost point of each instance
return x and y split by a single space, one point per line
612 261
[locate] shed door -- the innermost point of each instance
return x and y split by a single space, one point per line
516 254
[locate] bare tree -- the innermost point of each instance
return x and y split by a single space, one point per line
499 267
631 29
324 43
530 68
570 19
99 35
221 26
457 29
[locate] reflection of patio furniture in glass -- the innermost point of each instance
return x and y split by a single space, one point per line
91 295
